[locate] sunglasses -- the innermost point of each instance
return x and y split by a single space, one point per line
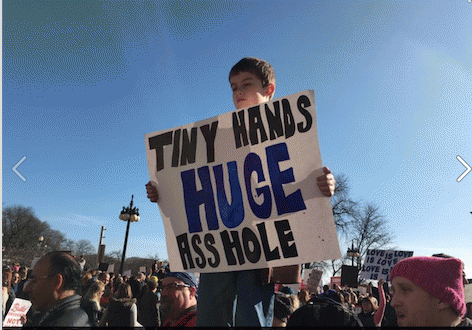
174 286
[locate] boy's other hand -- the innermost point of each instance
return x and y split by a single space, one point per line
152 192
326 183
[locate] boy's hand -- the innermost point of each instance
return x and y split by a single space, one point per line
152 192
326 183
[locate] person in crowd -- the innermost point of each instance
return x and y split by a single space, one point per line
179 300
85 284
154 268
91 302
52 289
283 308
8 295
148 305
161 271
15 267
23 278
325 288
390 315
90 279
347 300
429 292
116 283
240 298
468 310
304 296
323 311
122 311
137 283
286 290
82 263
354 298
104 277
372 314
167 269
15 282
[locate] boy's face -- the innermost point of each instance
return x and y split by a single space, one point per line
248 90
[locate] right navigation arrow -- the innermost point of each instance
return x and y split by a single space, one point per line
468 169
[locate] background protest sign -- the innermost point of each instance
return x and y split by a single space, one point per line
378 263
111 268
349 276
335 280
238 191
314 280
18 308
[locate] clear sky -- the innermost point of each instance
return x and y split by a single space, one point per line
83 81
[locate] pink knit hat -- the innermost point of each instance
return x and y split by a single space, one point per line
441 277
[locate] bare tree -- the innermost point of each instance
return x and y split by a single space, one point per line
25 236
115 254
84 246
369 230
69 244
154 256
344 208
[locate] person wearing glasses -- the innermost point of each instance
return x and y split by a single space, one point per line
179 299
52 290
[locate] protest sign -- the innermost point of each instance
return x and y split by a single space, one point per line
142 269
18 308
335 280
127 273
111 268
378 263
238 191
103 266
349 276
314 280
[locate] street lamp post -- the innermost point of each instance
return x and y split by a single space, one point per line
129 214
41 245
353 253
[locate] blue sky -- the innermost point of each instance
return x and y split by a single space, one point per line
83 81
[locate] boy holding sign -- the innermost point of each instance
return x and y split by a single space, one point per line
239 298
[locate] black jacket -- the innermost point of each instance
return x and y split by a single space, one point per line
93 311
65 313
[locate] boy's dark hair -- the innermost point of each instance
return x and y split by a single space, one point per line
64 264
323 311
262 69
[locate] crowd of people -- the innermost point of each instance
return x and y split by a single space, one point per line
427 291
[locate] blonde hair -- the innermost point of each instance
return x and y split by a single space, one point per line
124 291
295 301
94 291
304 296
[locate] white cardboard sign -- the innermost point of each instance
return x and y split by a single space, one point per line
18 308
378 263
238 191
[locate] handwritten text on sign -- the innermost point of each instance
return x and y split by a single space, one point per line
378 263
238 191
18 309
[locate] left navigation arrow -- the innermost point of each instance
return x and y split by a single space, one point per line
14 168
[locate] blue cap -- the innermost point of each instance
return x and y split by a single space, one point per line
287 290
187 278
